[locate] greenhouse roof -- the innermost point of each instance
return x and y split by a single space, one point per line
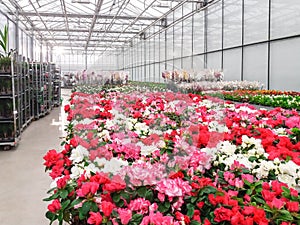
88 25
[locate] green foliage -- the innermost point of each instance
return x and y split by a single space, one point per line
4 40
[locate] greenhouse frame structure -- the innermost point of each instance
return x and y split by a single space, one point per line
247 39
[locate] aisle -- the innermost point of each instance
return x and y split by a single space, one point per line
23 182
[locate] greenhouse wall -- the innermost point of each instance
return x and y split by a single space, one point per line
247 39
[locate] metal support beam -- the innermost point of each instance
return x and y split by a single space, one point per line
80 40
73 15
86 31
97 10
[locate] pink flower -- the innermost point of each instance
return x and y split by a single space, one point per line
125 215
276 203
54 206
248 177
87 188
95 218
174 187
140 205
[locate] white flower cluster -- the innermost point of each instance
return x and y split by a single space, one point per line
253 156
141 129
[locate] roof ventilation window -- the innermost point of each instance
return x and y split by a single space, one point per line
81 1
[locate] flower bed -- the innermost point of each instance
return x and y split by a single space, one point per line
204 86
283 99
170 158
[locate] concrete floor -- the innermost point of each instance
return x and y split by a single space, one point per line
23 181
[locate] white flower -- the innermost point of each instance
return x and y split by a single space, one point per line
78 154
109 124
286 178
76 171
227 148
112 166
265 167
104 135
91 168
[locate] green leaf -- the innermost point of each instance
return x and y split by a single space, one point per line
94 207
137 218
208 190
116 197
286 215
125 195
65 204
190 211
149 195
51 216
85 208
194 222
60 216
63 193
75 202
142 192
252 158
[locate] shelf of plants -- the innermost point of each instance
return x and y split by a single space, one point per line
56 79
9 102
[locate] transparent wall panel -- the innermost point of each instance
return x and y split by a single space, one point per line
12 35
161 69
162 46
214 27
232 64
25 45
214 60
170 65
146 78
232 23
169 41
256 20
284 74
285 18
187 63
187 48
198 63
198 34
177 14
156 48
256 63
151 73
157 73
3 21
177 64
20 50
177 40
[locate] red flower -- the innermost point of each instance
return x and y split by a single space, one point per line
292 206
107 208
95 218
74 142
54 206
52 157
62 182
67 108
222 214
174 175
237 219
87 188
206 222
116 184
268 195
196 215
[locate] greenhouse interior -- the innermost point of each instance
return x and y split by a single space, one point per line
157 112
